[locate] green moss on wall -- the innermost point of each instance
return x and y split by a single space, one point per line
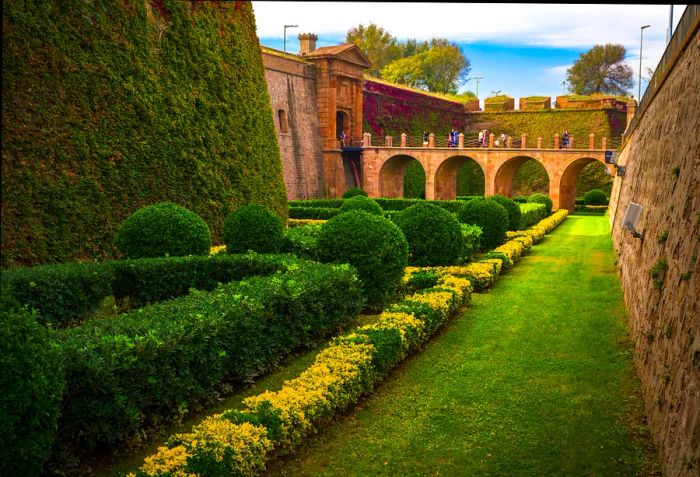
111 105
545 124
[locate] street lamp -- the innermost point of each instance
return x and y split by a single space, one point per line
285 35
563 83
477 78
641 39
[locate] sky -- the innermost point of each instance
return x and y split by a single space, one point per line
519 49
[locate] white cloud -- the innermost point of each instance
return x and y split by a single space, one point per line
560 25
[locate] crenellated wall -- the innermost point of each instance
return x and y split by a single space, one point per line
659 271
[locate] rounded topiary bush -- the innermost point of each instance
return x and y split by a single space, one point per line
595 197
354 191
434 235
491 216
512 208
32 389
360 202
374 245
253 227
539 198
163 229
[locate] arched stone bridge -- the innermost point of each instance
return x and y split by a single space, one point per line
383 169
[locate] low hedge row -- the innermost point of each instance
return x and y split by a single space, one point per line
318 213
302 241
240 442
61 294
531 213
154 280
66 294
298 208
153 364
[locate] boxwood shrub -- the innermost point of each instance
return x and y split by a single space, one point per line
490 216
361 202
145 367
539 198
595 197
434 235
163 229
253 227
512 208
353 191
374 245
32 385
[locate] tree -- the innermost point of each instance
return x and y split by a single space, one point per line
380 47
601 70
441 69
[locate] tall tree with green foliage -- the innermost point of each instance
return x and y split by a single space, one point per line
380 47
601 70
442 68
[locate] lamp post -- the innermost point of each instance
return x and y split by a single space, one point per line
285 35
641 40
477 78
563 83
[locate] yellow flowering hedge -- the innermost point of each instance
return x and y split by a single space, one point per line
303 222
240 442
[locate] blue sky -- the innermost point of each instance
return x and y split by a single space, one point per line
519 49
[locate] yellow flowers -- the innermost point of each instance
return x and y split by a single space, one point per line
340 374
217 249
302 222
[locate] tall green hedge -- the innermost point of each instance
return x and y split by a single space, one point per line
109 106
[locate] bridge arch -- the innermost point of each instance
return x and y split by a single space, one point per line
445 179
504 175
391 175
567 182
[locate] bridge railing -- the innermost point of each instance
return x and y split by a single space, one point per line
471 141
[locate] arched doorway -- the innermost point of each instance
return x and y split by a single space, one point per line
342 124
521 175
391 175
447 172
567 185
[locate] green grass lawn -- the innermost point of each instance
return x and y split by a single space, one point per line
536 378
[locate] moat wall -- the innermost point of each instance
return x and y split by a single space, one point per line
662 161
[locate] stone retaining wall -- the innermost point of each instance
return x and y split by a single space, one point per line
662 174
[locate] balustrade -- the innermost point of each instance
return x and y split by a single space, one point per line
472 142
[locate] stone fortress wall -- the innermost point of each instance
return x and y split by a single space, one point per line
659 270
291 84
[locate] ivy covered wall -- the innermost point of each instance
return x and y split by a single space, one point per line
112 105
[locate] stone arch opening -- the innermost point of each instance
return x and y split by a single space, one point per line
521 175
414 181
391 175
446 175
567 184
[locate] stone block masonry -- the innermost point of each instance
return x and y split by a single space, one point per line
660 273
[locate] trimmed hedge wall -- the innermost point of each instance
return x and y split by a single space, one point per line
32 386
111 106
66 294
151 365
